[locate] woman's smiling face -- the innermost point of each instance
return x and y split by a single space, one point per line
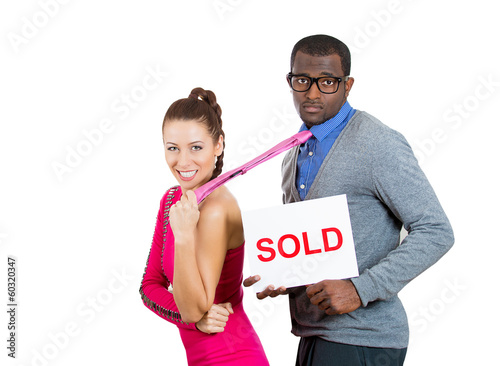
190 152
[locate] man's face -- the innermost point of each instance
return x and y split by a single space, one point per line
315 107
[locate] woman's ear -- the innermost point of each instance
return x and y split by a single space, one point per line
219 147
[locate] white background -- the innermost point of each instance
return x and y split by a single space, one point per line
81 241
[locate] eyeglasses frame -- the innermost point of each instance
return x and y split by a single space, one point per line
289 77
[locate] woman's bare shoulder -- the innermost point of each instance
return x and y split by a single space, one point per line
220 209
221 202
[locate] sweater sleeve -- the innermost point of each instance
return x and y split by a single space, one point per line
400 184
154 286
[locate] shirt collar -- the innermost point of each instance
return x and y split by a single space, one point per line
324 129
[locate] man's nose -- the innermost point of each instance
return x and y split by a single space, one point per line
313 92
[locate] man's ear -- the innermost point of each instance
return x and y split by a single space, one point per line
348 86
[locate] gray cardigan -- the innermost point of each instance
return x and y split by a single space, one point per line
385 187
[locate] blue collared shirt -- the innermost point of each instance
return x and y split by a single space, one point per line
314 151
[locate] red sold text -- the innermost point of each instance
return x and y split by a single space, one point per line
297 245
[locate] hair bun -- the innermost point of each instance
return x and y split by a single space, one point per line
208 97
195 96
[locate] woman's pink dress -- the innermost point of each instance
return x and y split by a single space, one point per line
238 344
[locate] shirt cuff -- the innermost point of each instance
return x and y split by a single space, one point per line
366 288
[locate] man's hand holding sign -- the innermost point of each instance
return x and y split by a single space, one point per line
303 249
332 296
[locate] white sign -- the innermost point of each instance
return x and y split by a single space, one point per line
300 243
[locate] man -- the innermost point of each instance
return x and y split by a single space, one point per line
359 321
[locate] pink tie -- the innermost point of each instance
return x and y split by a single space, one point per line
209 187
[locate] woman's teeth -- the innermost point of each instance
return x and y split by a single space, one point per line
188 174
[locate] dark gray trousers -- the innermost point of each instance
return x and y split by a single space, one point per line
314 351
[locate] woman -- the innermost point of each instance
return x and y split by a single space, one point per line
206 298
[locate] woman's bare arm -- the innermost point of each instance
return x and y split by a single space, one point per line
201 243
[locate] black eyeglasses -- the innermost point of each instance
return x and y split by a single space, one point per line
325 84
